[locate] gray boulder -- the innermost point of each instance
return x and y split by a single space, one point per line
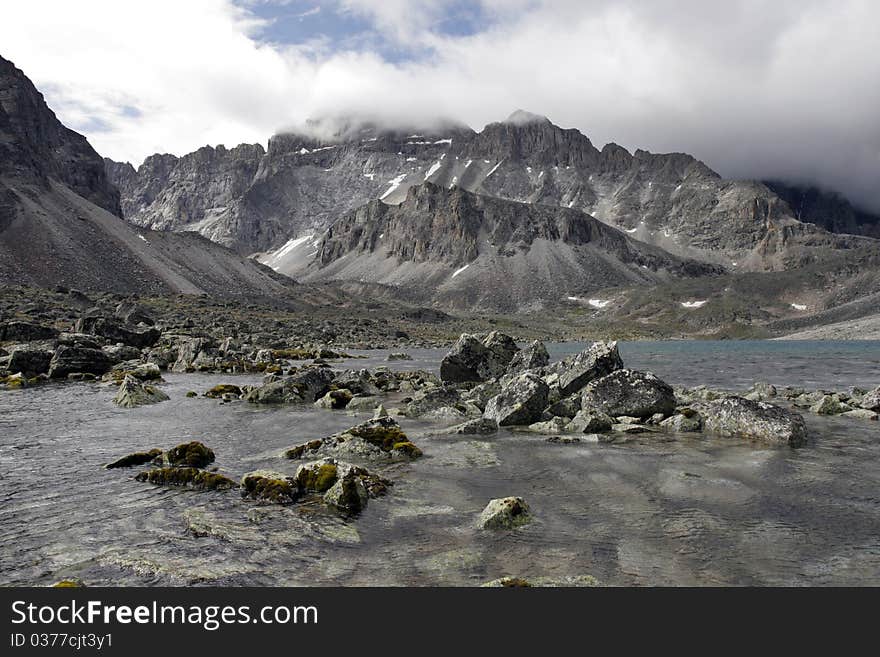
477 427
21 331
70 359
628 392
304 386
683 423
115 331
432 399
589 421
505 513
132 392
532 357
735 416
29 362
521 402
575 372
871 400
473 359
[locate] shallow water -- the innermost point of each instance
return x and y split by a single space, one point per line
685 511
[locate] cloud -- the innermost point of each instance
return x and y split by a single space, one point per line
785 89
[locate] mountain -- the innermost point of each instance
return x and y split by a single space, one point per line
60 217
307 179
469 251
826 209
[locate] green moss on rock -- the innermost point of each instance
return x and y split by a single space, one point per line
223 389
269 486
192 454
190 477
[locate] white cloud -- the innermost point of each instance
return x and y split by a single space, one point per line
755 89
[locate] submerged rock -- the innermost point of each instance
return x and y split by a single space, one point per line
132 392
136 458
190 477
473 359
218 391
505 513
627 392
379 438
335 400
735 416
432 399
399 356
478 426
521 402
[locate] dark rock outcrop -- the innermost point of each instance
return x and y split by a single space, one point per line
477 359
73 359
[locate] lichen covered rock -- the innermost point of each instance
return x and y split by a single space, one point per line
132 392
475 359
269 486
628 392
735 416
189 477
505 513
521 402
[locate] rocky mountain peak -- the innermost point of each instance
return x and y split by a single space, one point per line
522 117
35 145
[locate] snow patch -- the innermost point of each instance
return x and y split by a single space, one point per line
276 256
434 168
144 238
693 304
412 159
798 306
458 271
493 169
630 230
371 176
395 183
599 303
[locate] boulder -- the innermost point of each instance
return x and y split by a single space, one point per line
137 458
628 392
681 423
736 416
193 353
189 477
431 399
132 392
335 400
70 359
521 402
348 495
828 405
861 414
115 331
473 359
218 391
871 400
534 356
599 360
589 421
193 454
120 352
567 406
30 362
359 382
505 513
269 486
379 438
552 426
133 313
399 356
307 385
21 331
479 426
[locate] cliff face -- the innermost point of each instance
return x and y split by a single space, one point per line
826 209
34 145
60 217
262 202
466 250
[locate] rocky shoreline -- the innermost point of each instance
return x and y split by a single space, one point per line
486 383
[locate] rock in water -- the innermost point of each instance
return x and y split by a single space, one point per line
134 393
190 477
304 386
137 458
521 402
348 494
735 416
871 400
532 357
193 454
269 486
472 359
505 513
600 359
30 362
589 422
627 392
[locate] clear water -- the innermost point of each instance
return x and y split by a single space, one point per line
687 510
